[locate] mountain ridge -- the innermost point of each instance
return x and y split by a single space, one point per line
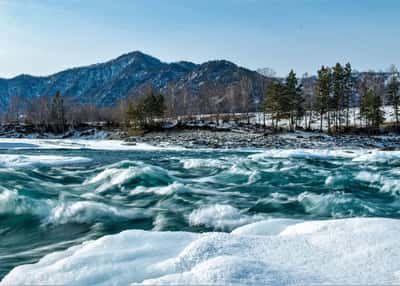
105 83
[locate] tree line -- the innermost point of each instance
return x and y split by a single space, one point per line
334 98
331 99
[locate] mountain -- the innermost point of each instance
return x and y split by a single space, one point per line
106 83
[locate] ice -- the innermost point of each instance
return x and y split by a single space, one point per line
282 252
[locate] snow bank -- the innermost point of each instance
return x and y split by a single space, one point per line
350 251
14 143
12 161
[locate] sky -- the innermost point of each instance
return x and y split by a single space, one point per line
41 37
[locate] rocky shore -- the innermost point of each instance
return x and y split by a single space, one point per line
220 138
232 139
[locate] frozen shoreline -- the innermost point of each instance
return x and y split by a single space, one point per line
194 139
272 252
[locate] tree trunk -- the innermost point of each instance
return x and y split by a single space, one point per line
329 122
320 123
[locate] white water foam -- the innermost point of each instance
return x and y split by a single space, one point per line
117 175
307 154
384 183
356 155
350 251
62 212
15 161
160 190
194 163
220 217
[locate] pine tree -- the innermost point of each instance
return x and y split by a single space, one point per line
348 91
370 108
394 95
146 109
273 102
338 93
293 99
323 91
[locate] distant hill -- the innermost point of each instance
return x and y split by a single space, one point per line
106 83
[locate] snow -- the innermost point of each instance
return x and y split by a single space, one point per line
258 118
362 251
17 143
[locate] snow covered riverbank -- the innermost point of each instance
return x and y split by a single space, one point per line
274 252
193 139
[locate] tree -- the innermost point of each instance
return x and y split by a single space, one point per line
293 99
273 102
338 87
246 87
323 91
57 114
147 110
348 91
15 109
370 108
309 99
394 95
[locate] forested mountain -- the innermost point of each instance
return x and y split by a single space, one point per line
106 83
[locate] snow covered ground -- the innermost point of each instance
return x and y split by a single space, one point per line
362 251
315 124
26 143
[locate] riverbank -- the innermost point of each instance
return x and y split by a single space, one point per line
222 137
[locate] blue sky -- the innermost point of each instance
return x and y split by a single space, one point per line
41 37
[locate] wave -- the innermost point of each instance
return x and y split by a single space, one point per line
18 161
384 183
61 211
220 217
193 163
307 154
281 252
355 155
122 173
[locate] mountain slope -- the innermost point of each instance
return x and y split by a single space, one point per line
106 83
